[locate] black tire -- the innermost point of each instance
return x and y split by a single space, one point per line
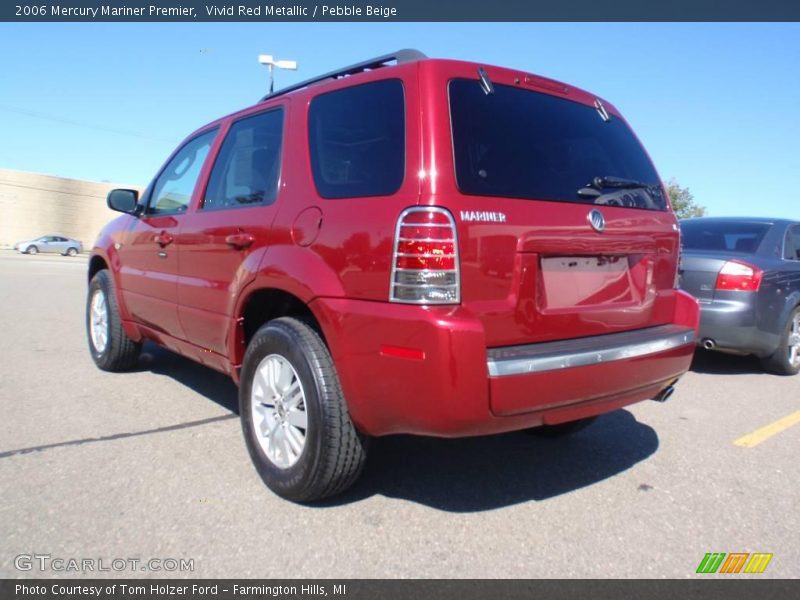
72 252
562 429
33 250
120 352
334 452
780 361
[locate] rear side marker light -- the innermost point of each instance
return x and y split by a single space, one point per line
425 267
740 276
400 352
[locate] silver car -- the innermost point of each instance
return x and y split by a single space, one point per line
746 274
50 243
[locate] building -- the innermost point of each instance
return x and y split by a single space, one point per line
33 204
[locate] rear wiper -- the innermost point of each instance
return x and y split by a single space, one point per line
600 183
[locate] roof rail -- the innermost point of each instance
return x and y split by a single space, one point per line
400 57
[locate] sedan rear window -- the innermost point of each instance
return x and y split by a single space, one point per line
518 143
722 236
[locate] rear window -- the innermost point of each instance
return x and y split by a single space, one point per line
357 140
523 144
722 236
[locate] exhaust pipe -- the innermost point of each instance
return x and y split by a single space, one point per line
709 344
665 394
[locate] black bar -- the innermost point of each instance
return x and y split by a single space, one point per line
401 10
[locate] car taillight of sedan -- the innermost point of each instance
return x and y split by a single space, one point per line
740 276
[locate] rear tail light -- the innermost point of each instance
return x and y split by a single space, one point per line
736 275
425 267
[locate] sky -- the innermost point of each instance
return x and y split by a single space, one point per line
717 106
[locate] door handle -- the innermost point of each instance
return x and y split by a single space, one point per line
240 240
164 239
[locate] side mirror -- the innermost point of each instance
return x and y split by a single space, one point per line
125 201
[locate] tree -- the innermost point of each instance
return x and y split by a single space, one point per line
683 202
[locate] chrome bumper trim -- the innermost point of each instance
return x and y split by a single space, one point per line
581 352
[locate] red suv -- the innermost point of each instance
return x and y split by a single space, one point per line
404 245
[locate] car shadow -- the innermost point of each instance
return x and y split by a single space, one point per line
465 474
207 382
718 363
490 472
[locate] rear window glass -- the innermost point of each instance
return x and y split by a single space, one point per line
722 236
523 144
357 140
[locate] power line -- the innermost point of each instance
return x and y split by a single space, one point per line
57 119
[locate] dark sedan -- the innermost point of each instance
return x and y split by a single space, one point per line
746 274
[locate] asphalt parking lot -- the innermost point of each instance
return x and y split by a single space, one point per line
151 465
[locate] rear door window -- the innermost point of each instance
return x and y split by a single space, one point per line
357 140
791 249
722 236
247 168
518 143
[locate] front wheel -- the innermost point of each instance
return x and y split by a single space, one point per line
32 250
294 416
786 359
110 346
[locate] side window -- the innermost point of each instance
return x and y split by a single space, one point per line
357 140
172 190
791 249
247 169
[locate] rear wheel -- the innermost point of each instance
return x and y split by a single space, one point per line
294 416
110 346
32 250
562 429
786 359
72 251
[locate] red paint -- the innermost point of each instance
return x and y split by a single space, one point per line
408 368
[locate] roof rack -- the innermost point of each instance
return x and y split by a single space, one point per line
399 57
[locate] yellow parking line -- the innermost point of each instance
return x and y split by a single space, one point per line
764 433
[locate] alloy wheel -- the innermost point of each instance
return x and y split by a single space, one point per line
793 342
98 321
278 406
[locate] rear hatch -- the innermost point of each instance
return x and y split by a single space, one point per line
563 225
707 244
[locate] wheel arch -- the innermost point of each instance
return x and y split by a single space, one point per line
257 306
96 264
791 304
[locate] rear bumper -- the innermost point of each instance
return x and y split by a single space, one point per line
426 370
732 324
574 371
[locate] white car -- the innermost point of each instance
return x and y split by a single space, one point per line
50 243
